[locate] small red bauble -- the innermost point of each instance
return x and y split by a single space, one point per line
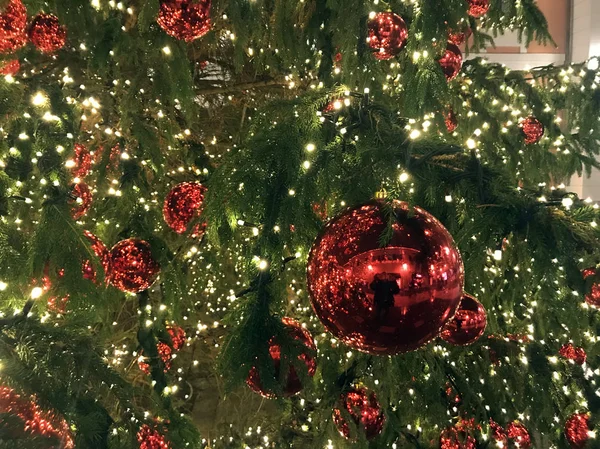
363 409
450 121
532 130
375 298
293 383
177 335
83 201
47 34
149 438
101 251
457 437
577 430
478 8
518 434
451 61
41 424
183 19
593 297
10 67
588 272
387 35
13 21
164 352
82 161
182 204
468 323
459 37
132 267
578 355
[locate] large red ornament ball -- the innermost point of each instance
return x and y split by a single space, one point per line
478 8
468 323
83 201
570 352
13 22
293 383
82 162
182 204
390 299
132 267
363 409
183 19
577 430
532 130
47 34
387 35
35 421
101 251
149 438
451 61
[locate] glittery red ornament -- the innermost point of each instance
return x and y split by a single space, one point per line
532 130
293 383
47 34
101 251
578 355
387 35
385 299
13 21
459 37
132 268
468 323
518 435
82 161
149 438
41 424
10 67
182 204
593 297
183 19
177 336
458 437
450 120
588 272
577 430
478 8
498 432
361 406
451 61
83 201
165 352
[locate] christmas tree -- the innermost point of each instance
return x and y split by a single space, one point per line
308 224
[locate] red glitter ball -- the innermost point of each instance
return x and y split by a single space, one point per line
361 406
387 35
593 297
293 383
588 272
10 67
375 298
468 323
183 19
177 336
532 130
450 121
457 437
101 251
578 355
576 430
459 37
478 8
183 204
82 160
13 22
498 432
47 34
36 422
149 438
164 352
451 61
518 434
132 268
82 204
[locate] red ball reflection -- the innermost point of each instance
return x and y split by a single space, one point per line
391 299
364 410
468 323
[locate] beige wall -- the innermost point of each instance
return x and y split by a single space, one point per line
556 12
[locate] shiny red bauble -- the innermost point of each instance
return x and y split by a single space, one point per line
293 384
132 267
358 411
13 22
11 67
468 323
82 161
457 437
149 438
450 121
177 335
478 8
385 299
183 204
577 430
459 37
165 352
570 352
451 61
532 130
47 34
83 200
185 20
387 35
518 434
101 252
